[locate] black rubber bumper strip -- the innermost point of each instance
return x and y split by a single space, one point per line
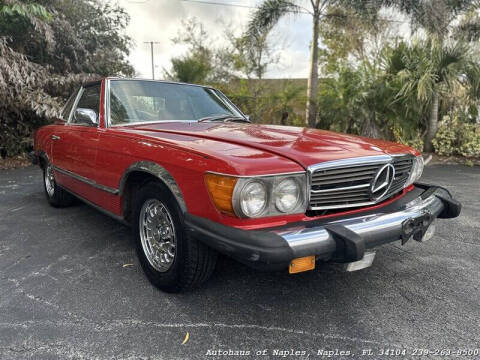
253 246
452 207
266 247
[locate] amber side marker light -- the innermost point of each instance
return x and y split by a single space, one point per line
302 264
221 189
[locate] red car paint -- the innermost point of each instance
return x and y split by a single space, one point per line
188 150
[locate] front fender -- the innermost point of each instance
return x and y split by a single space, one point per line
159 172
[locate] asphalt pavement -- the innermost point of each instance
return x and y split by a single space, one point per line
71 288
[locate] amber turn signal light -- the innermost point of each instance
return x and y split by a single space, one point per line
302 264
221 189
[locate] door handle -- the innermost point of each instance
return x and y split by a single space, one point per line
55 137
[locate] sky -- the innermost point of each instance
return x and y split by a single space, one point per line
160 21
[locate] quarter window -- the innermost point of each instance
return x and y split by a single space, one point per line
90 100
67 109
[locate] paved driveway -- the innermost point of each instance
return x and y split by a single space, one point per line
66 292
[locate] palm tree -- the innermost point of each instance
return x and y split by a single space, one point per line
430 70
450 26
269 13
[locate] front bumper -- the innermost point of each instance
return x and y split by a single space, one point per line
339 239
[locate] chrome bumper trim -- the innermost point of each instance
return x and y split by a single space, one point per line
374 229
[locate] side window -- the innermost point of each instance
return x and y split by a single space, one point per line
88 107
67 109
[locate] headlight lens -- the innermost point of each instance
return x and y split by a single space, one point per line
258 196
253 198
287 195
420 166
417 170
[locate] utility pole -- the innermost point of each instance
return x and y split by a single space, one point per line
151 51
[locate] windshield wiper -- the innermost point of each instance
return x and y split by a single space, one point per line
224 117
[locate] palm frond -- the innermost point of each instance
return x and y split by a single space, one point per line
426 86
472 77
268 15
469 29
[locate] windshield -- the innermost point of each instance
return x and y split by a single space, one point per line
133 101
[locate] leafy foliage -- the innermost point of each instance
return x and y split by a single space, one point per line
46 49
403 85
429 72
457 137
434 16
197 65
192 68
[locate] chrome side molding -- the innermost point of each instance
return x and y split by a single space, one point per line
86 180
143 166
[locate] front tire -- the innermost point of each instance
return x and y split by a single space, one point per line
56 196
171 260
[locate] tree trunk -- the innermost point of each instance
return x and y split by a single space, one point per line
432 124
312 90
370 129
478 114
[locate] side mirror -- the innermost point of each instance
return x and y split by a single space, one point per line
85 116
248 117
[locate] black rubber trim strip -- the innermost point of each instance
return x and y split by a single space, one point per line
264 248
429 189
452 208
350 245
251 246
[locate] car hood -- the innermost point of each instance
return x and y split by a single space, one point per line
302 145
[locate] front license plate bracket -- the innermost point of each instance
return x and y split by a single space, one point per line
416 227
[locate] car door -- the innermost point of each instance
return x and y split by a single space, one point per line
58 128
75 144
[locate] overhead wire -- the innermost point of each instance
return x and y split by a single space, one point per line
207 2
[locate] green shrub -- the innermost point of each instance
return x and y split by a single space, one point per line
469 139
455 137
400 135
445 141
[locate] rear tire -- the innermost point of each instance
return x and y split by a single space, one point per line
56 196
172 261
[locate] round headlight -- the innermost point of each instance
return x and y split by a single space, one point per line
253 198
419 169
287 195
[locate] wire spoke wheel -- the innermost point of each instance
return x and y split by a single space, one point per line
157 235
49 181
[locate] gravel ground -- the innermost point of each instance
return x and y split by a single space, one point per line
71 287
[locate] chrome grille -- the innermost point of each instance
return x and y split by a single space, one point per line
346 183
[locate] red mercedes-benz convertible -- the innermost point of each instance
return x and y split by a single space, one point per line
193 177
